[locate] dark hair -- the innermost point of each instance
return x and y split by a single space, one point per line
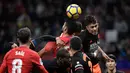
63 58
112 57
78 27
89 20
24 35
75 43
73 26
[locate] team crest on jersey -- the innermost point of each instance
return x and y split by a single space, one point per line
78 64
93 46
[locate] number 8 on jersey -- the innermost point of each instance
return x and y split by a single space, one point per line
17 65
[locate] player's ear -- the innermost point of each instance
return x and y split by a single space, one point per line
30 40
87 27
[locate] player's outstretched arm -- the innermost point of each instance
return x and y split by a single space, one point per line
103 53
49 47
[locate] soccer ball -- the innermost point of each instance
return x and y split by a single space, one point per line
73 11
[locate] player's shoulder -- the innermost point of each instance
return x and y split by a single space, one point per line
32 52
83 31
77 57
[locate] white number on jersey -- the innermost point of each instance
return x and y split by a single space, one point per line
17 65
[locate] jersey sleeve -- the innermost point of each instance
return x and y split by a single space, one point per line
3 67
49 47
37 62
78 67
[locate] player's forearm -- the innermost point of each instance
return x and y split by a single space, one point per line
103 53
41 52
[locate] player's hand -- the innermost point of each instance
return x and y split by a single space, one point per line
14 45
59 42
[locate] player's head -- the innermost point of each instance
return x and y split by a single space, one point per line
78 28
70 27
111 64
63 58
24 35
91 24
75 43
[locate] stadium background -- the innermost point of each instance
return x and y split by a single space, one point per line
48 16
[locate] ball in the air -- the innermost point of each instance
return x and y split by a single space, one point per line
73 11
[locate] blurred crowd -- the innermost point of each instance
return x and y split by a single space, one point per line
48 16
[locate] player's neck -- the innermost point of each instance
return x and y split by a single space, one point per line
26 45
112 71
